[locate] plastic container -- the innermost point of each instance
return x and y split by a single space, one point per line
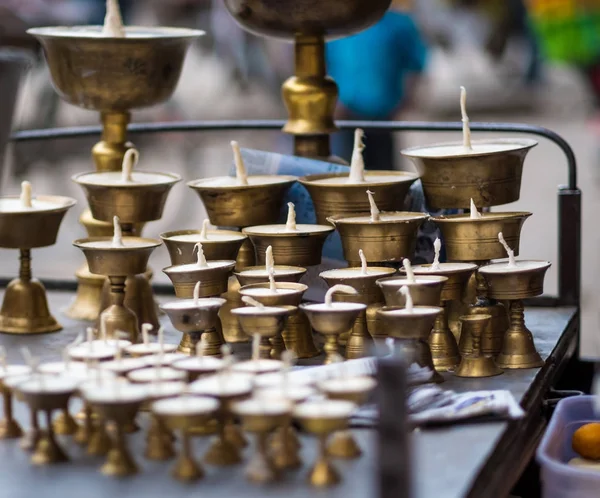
560 480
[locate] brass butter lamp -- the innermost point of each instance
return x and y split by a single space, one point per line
364 280
183 414
384 237
112 70
474 363
9 427
26 223
310 95
117 258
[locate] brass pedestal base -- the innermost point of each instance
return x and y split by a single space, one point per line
119 462
261 468
25 309
284 448
9 427
47 450
232 331
359 340
86 304
475 363
186 468
491 341
297 336
443 346
31 438
189 343
64 424
222 452
343 445
323 473
99 443
518 349
159 443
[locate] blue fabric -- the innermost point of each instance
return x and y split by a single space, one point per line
370 67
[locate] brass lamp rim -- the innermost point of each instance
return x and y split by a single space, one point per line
428 280
518 144
354 219
281 180
383 270
175 178
239 236
65 203
81 243
216 267
247 311
300 288
424 269
318 230
215 302
336 307
486 268
418 311
494 216
142 33
403 176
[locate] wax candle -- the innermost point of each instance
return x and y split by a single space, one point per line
201 262
115 393
204 231
357 164
185 405
465 119
259 406
327 408
375 213
53 384
474 213
363 262
295 393
164 359
504 267
405 291
117 240
210 236
150 348
341 385
26 195
123 365
168 389
223 385
437 247
130 160
344 289
156 374
199 364
135 178
410 276
290 224
511 254
240 169
113 22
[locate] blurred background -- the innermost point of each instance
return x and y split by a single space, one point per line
530 61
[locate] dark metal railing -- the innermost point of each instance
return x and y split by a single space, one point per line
569 196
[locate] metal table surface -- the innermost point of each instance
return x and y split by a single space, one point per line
462 460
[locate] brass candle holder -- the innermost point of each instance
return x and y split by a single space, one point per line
226 388
321 418
356 390
119 404
365 327
490 174
411 330
117 263
266 321
47 394
192 318
297 334
213 280
332 321
262 418
25 306
333 195
444 348
514 284
259 274
310 95
183 414
9 427
113 76
199 366
474 363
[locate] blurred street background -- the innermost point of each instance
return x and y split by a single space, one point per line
514 67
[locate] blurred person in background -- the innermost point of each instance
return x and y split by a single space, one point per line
376 71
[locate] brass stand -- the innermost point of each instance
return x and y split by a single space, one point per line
47 450
223 451
518 349
9 427
475 363
64 424
31 438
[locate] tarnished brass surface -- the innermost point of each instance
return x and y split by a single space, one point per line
181 252
475 363
426 291
214 280
514 285
292 274
490 179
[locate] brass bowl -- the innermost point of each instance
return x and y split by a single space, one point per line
267 323
283 19
346 199
114 74
417 325
333 320
193 416
353 389
458 275
26 230
213 279
366 285
292 274
301 248
381 241
118 261
318 421
515 284
181 252
243 205
490 179
288 299
132 203
193 318
476 239
426 291
262 415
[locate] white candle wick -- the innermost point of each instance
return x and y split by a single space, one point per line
130 160
196 295
203 232
465 119
474 213
26 194
252 302
272 284
357 163
410 275
113 22
374 210
117 240
269 260
405 291
511 253
437 247
240 169
255 347
344 289
363 262
146 328
290 224
201 262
